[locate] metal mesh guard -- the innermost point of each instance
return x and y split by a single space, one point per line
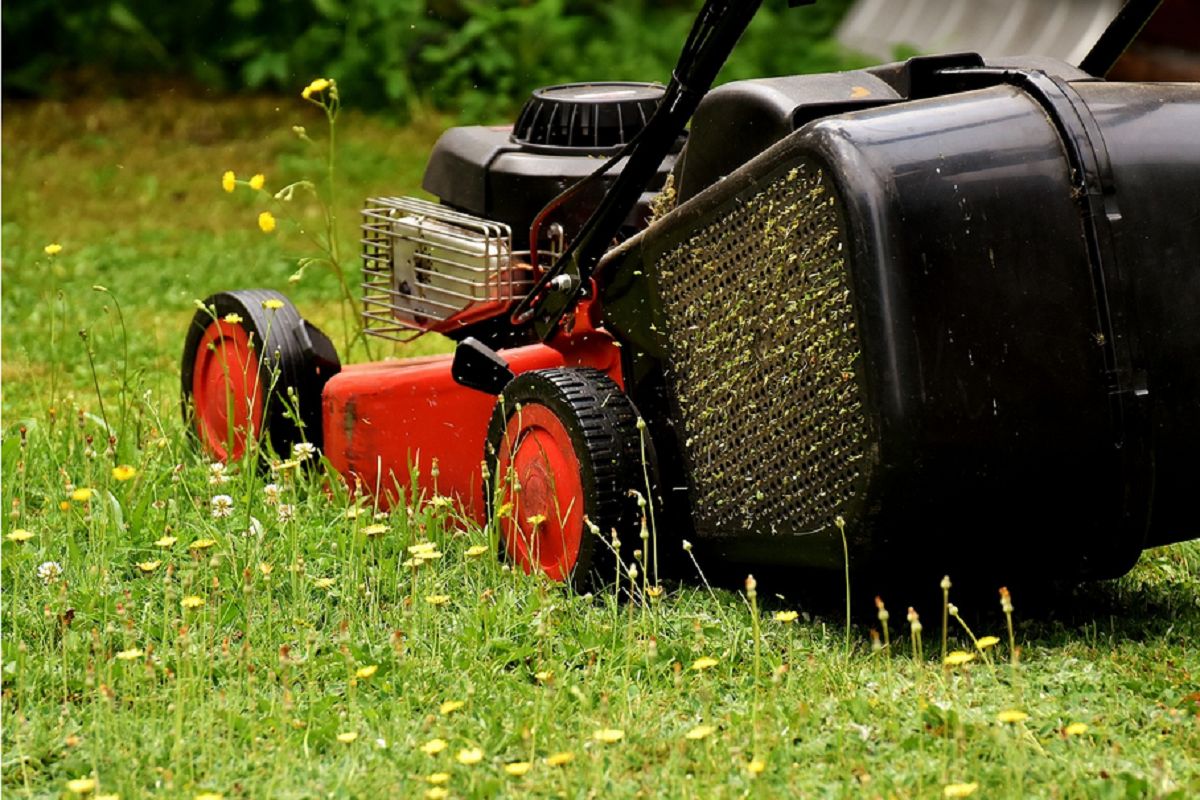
763 351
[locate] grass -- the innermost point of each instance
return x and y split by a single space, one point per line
314 662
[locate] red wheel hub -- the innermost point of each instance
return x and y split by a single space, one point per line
539 471
226 391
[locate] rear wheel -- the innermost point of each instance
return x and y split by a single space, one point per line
252 368
563 447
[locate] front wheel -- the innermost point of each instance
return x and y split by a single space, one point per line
563 450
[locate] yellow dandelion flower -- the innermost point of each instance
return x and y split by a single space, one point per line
232 318
786 616
543 676
450 706
108 796
433 747
367 671
347 737
64 506
52 249
19 535
700 732
1012 715
258 181
438 778
148 566
436 793
266 569
703 663
411 563
82 494
165 541
987 641
210 796
756 766
229 181
654 591
1076 729
428 555
123 472
518 768
476 550
560 759
266 222
422 547
375 530
81 785
437 599
323 583
469 756
202 544
958 657
959 789
273 304
132 654
192 601
609 735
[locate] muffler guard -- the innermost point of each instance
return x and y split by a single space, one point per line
969 326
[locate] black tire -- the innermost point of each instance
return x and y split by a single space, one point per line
601 424
294 358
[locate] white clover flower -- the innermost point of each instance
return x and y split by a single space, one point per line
222 505
49 571
303 450
216 473
287 512
272 491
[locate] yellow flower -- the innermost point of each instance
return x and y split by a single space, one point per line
438 778
166 541
433 747
81 785
517 768
450 706
609 735
124 472
202 544
266 569
323 583
148 566
131 654
654 591
82 494
192 601
266 222
367 671
108 796
786 616
232 318
436 793
318 85
347 737
64 506
375 530
437 599
210 796
959 789
274 304
559 759
756 766
52 249
1012 715
987 641
229 181
1076 729
258 181
959 657
468 756
699 732
543 676
703 663
477 550
19 535
422 547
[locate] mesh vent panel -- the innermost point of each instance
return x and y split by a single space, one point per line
764 349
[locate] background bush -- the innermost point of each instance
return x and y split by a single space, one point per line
477 58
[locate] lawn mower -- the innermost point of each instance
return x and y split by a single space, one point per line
940 312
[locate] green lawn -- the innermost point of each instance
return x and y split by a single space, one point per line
313 662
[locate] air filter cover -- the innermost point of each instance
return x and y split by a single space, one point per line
592 117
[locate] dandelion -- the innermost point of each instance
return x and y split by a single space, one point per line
286 512
347 737
210 796
266 222
437 599
1012 716
957 658
303 450
786 616
165 541
229 181
131 654
959 789
123 473
148 566
1076 729
433 747
560 759
109 796
544 676
52 249
450 706
232 318
201 544
365 672
703 663
81 785
19 535
82 494
371 531
476 550
272 304
222 505
257 182
700 732
987 641
469 756
436 793
654 591
438 778
608 735
266 569
756 766
49 571
192 601
323 583
518 768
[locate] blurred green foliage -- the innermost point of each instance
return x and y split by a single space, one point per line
476 58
